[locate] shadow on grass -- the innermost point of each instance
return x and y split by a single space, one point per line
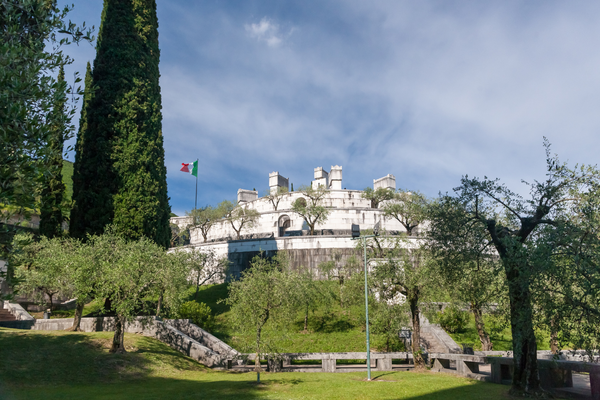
475 391
149 388
223 388
60 358
211 295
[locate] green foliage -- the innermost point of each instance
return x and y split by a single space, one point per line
42 268
276 196
199 313
67 178
31 54
204 218
453 319
240 216
377 196
203 266
310 207
410 208
53 188
548 251
120 158
263 302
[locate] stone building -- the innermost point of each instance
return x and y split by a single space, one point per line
283 229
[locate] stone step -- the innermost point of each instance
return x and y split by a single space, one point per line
5 315
431 343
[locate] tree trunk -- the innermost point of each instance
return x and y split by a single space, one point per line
484 338
158 307
413 299
107 305
525 376
117 344
77 318
50 297
553 337
306 319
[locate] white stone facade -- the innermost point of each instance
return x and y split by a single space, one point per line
283 229
346 207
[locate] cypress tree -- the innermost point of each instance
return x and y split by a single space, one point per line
122 172
53 188
81 186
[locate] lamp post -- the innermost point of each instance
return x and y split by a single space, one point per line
356 236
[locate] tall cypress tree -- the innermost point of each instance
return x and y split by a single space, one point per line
122 172
81 186
53 188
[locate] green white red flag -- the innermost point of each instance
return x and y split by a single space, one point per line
190 168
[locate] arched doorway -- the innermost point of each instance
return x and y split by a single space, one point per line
284 223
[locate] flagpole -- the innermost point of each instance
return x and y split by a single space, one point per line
196 199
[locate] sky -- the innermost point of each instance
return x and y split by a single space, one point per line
428 91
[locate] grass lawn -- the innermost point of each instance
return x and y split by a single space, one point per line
67 365
334 330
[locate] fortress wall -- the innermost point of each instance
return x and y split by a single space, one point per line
305 252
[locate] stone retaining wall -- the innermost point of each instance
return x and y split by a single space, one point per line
151 327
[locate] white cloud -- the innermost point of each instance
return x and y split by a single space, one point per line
266 31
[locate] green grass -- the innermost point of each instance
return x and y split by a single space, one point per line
502 341
334 330
69 365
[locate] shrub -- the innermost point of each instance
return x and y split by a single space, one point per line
453 319
199 313
496 323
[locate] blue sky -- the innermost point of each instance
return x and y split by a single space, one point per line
425 90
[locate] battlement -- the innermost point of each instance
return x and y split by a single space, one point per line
244 196
276 181
387 182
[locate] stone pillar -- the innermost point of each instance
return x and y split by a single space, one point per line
440 364
327 364
274 364
466 367
384 364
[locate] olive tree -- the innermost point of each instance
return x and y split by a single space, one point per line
471 275
522 232
40 268
204 266
310 207
263 299
275 196
408 208
132 272
403 267
377 196
240 216
204 218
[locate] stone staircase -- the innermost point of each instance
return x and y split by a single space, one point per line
431 343
6 316
435 340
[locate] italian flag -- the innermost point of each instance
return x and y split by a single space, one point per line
191 168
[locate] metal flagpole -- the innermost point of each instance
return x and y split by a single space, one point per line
196 199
